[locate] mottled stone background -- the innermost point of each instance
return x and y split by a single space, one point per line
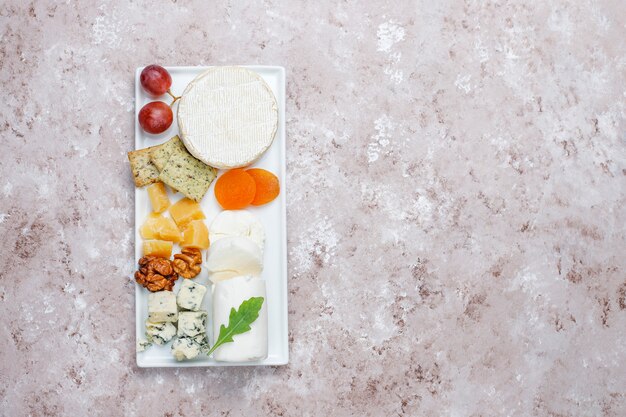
457 180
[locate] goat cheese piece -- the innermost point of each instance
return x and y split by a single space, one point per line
160 333
190 295
191 323
229 294
233 223
162 307
230 257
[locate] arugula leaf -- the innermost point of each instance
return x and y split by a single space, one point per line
239 321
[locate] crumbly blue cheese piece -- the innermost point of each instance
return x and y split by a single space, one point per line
160 333
162 307
201 339
190 295
191 323
143 345
186 348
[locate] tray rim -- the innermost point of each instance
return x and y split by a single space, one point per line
269 361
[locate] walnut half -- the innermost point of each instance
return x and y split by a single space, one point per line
156 274
187 263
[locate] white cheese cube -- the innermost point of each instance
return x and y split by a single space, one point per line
191 323
162 307
160 333
190 295
185 348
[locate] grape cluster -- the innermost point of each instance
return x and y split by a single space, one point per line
156 117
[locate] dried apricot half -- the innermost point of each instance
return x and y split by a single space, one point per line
267 186
235 189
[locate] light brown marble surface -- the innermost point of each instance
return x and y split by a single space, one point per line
457 177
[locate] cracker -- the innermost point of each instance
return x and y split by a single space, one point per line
160 154
187 174
144 171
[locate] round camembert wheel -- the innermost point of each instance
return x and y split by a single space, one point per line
227 117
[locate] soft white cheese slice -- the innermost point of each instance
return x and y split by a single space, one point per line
227 117
233 223
228 294
233 256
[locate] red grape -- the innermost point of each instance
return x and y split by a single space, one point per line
155 117
155 80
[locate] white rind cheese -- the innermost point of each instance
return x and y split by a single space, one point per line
227 117
233 256
191 323
160 333
228 294
162 307
233 223
190 295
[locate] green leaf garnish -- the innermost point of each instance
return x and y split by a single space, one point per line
239 321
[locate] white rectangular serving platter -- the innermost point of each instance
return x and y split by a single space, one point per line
272 215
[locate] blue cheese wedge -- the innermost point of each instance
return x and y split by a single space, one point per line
186 348
201 339
162 307
160 333
191 323
190 295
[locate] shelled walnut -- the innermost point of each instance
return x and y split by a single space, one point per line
187 263
156 274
